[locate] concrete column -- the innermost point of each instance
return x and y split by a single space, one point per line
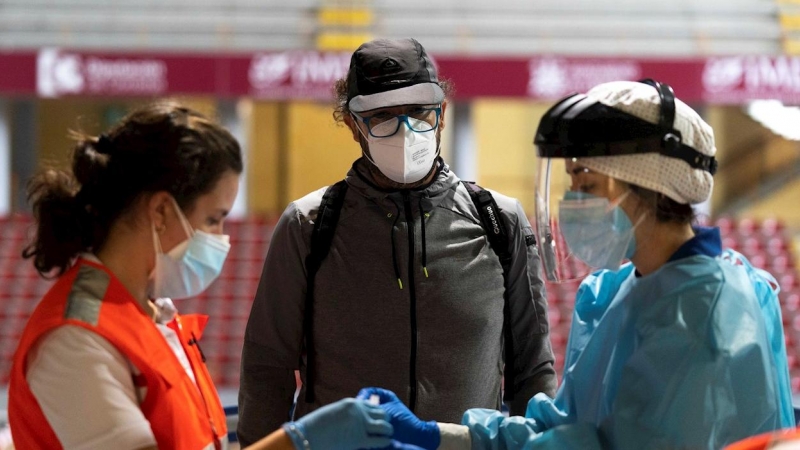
5 158
25 142
462 153
233 116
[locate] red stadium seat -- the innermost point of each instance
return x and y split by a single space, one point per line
726 225
730 242
788 281
781 264
771 226
553 315
790 304
777 245
758 260
752 244
747 227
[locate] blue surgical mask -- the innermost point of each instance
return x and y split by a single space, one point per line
189 268
599 234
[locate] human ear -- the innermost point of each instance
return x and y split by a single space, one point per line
159 206
442 115
348 120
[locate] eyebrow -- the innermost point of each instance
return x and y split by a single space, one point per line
578 170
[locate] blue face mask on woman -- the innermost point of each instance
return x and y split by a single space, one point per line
599 234
189 268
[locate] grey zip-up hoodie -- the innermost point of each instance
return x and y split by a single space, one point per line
365 324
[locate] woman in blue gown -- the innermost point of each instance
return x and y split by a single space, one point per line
682 347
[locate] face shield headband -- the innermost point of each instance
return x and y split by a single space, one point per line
580 127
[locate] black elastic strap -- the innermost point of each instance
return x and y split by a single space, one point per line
672 147
321 240
666 97
497 233
672 142
667 145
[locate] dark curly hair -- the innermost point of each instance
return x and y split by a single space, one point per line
160 147
341 110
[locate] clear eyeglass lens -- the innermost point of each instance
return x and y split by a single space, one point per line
381 118
384 125
422 114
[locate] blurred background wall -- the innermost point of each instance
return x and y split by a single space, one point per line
294 145
265 69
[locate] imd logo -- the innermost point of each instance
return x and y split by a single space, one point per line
269 70
296 74
59 73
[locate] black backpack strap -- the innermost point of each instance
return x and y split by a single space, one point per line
321 240
496 230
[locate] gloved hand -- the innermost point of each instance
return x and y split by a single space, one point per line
346 424
407 427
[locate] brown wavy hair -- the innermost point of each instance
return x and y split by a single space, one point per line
160 147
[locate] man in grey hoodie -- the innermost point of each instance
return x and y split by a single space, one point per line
411 293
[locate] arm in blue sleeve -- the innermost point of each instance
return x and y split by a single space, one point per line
767 289
490 430
701 375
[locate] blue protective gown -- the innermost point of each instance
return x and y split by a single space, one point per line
690 356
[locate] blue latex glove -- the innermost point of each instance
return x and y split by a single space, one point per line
407 427
346 424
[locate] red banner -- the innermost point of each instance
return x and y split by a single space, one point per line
298 75
17 73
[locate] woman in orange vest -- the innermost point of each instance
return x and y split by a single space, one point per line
105 361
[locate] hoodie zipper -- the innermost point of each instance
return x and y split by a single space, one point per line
412 292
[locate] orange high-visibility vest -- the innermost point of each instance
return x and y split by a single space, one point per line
182 414
788 436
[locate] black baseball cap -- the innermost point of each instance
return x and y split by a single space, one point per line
391 72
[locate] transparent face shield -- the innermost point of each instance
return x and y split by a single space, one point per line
559 265
580 227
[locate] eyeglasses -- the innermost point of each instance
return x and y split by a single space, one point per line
418 120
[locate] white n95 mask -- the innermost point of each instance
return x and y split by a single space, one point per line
189 268
406 156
